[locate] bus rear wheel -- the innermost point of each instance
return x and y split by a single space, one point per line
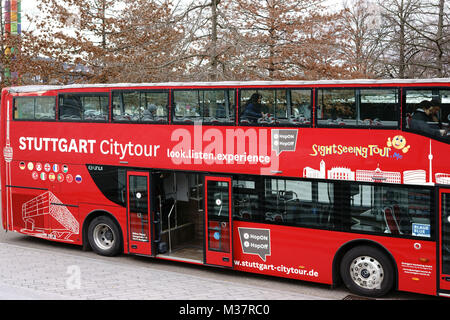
104 236
367 271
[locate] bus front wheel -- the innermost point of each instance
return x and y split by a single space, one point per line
367 271
104 236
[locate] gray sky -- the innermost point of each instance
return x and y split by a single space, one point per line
28 7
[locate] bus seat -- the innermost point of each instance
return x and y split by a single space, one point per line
391 221
408 120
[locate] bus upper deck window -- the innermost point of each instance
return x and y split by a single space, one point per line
140 106
427 112
374 108
34 108
275 107
207 106
84 106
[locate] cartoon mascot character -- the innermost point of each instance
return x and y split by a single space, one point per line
398 142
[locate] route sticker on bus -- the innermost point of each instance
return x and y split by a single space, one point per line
255 241
284 140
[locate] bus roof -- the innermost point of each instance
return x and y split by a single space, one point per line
40 88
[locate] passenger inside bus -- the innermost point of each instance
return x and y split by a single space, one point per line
426 119
301 113
253 109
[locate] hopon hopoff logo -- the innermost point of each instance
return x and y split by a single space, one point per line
284 140
255 241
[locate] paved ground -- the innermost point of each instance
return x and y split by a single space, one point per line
29 273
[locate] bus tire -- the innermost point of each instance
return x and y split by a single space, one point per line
104 236
367 271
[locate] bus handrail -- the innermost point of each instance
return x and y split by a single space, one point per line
168 223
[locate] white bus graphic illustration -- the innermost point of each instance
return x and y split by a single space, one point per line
42 207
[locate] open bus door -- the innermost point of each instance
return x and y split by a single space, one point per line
218 221
444 239
138 213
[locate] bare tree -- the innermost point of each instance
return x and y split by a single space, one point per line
211 40
289 39
432 29
361 22
399 38
103 41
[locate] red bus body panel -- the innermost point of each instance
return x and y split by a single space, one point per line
307 254
169 146
50 191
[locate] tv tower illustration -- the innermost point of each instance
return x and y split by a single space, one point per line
430 158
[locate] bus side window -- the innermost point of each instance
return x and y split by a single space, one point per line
378 107
69 107
34 108
24 108
140 106
84 106
427 112
290 107
207 106
374 108
336 107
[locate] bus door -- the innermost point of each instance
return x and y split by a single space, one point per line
138 213
218 221
444 241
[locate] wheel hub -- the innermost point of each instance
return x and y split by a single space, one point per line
108 235
103 236
367 272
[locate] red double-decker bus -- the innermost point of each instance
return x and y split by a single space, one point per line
329 181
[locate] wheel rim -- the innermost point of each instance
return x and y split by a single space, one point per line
103 236
367 272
